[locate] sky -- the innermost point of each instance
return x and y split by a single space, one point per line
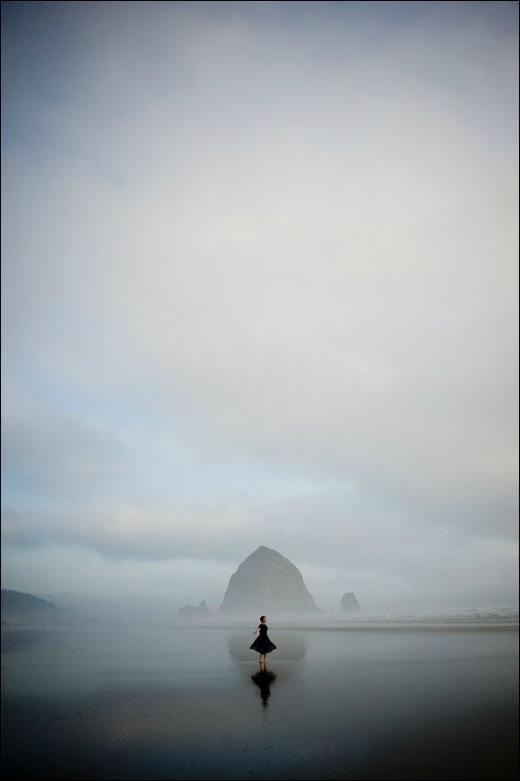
260 287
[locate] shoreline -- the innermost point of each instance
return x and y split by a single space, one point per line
354 626
373 626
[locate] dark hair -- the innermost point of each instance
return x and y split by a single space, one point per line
262 618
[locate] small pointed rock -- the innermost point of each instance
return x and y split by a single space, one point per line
349 603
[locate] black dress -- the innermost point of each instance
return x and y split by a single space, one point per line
262 643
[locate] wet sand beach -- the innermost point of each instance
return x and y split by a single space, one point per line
189 702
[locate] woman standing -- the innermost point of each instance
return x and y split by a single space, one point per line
262 644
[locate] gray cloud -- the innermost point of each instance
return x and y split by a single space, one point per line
62 458
299 228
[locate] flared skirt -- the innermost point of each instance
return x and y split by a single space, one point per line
262 645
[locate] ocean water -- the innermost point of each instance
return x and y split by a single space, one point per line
189 703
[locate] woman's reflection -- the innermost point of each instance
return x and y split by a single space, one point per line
291 649
264 679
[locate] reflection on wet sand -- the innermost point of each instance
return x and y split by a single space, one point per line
172 703
263 679
290 648
17 638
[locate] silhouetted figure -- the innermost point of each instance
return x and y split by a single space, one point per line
262 644
263 680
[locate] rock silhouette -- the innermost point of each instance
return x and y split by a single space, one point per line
194 611
349 603
20 607
267 583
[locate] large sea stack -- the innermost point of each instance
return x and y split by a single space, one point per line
267 582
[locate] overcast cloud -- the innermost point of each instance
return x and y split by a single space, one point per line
260 287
